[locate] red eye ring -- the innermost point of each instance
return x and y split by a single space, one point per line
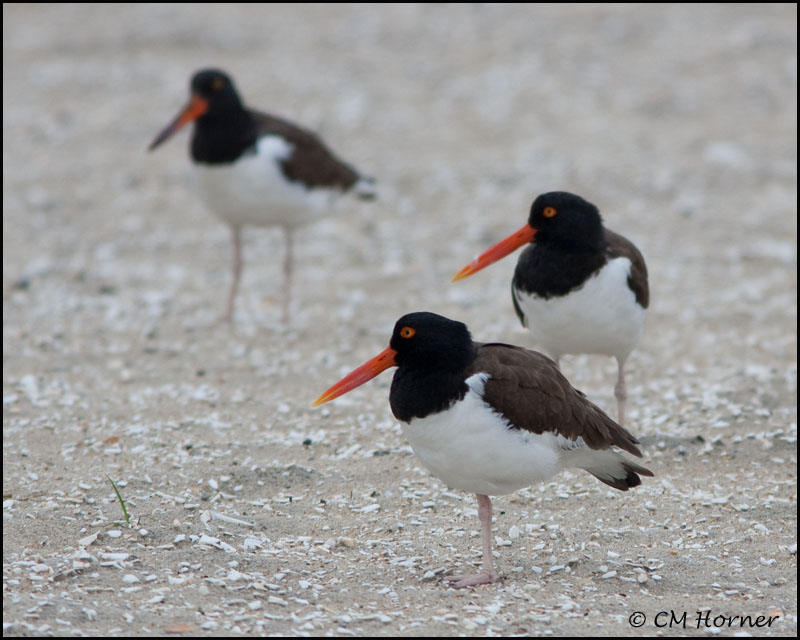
407 332
549 212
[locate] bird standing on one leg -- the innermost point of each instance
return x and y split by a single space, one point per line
258 169
579 287
491 418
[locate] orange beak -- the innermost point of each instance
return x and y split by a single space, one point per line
500 250
197 107
365 372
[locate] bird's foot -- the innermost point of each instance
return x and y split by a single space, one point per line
459 582
225 319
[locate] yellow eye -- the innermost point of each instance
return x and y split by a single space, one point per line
407 332
549 212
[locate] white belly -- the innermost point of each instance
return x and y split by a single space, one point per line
470 447
254 191
600 317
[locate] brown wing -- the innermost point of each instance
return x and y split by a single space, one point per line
310 162
620 246
527 388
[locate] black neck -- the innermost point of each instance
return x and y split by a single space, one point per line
430 384
222 137
420 393
548 271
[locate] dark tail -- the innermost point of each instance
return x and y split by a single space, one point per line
365 189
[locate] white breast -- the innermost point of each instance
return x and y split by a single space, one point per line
471 447
600 317
254 191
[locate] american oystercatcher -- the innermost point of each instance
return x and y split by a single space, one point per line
579 287
258 169
491 418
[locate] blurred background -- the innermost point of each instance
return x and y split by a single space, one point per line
679 121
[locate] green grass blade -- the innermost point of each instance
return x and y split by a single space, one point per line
121 501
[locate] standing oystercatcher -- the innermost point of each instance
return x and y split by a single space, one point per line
491 418
578 287
258 169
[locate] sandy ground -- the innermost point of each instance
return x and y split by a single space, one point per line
251 512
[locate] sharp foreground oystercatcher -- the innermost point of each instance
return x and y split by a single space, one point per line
579 287
258 169
491 418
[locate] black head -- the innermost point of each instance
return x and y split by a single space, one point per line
431 353
566 220
213 101
216 87
425 340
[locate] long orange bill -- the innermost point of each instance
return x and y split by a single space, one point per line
197 107
365 372
500 250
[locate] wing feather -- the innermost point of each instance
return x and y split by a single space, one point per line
527 388
620 246
311 162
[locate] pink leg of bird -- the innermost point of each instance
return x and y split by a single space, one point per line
288 260
237 272
487 574
620 393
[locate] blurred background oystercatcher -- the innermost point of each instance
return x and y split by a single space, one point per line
579 287
259 169
491 418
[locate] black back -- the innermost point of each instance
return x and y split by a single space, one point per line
571 245
228 130
435 356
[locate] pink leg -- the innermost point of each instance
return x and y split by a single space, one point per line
487 574
620 393
288 260
237 272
